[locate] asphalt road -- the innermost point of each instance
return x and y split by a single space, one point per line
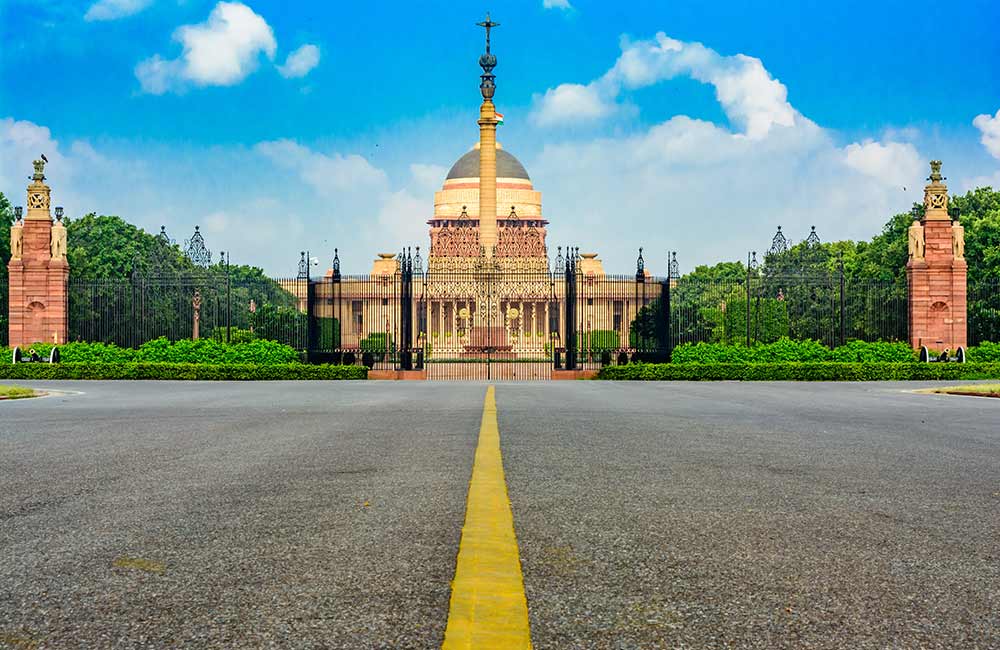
328 515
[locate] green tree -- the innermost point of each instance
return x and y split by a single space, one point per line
6 219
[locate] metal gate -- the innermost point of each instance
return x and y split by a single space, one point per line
489 322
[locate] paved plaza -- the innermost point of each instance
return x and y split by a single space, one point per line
647 515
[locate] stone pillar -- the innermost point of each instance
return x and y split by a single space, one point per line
936 273
38 271
487 177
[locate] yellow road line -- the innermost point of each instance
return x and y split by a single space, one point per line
488 606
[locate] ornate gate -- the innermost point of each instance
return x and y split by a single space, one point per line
487 324
487 321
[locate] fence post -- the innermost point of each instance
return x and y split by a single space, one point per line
571 342
405 310
229 303
748 299
840 267
664 341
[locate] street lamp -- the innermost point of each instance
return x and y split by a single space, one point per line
224 262
18 212
59 213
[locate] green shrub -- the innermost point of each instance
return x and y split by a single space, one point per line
161 350
712 353
81 353
879 351
829 371
379 342
185 371
260 352
236 335
328 333
794 351
768 320
599 342
985 352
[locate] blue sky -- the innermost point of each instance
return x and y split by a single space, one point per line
675 125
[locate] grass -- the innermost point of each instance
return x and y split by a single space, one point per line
984 390
15 392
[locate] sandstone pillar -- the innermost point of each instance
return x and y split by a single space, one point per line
936 273
38 272
487 149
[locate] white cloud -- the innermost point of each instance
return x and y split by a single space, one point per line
115 9
556 4
300 62
327 174
222 51
428 178
752 99
712 191
990 128
571 104
893 163
23 141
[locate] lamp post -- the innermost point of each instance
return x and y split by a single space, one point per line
224 261
59 213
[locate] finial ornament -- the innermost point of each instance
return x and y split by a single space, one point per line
39 174
488 25
936 195
487 61
935 176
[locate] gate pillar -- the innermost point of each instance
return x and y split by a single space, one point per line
38 273
936 272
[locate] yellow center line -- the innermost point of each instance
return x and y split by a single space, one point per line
488 607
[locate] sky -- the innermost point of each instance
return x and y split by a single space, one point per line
690 126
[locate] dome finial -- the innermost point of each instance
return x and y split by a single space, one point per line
487 61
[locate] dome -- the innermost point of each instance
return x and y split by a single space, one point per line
507 166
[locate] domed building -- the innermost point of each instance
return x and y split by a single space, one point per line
455 226
488 289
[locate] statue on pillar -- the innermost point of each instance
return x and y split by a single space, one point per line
916 241
957 240
196 305
16 240
58 240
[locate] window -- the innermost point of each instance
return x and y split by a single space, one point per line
357 316
617 310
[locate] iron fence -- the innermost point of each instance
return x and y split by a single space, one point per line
984 310
129 312
492 323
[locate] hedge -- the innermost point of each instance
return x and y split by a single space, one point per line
827 371
162 350
797 351
985 352
200 371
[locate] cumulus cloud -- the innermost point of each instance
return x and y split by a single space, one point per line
23 141
327 174
752 99
300 62
571 103
222 51
556 4
892 163
990 129
680 183
115 9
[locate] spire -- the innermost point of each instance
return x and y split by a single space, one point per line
487 61
487 148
